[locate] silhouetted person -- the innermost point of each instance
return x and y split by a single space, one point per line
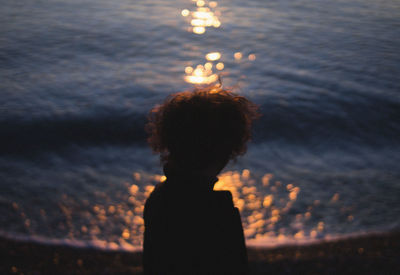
189 228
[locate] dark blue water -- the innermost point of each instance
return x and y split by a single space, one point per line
79 77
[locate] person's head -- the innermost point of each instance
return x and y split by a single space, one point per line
201 129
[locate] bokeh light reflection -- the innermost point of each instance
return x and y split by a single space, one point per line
213 56
185 12
252 57
203 74
238 55
270 209
220 66
203 16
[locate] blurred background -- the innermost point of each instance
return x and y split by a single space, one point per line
78 78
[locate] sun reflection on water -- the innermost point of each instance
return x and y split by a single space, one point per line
238 55
265 206
202 17
269 210
200 75
203 74
213 56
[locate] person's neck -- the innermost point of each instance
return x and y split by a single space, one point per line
199 179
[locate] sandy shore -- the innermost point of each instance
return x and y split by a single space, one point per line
373 254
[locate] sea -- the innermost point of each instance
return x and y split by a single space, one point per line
78 78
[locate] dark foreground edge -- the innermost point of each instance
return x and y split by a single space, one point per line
371 254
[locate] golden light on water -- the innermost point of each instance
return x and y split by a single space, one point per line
216 24
321 226
238 55
208 66
133 189
268 200
136 176
199 30
299 235
126 234
335 197
268 207
197 22
203 14
252 57
313 233
185 12
111 209
201 79
220 66
266 178
200 71
188 70
202 17
213 56
213 4
262 213
201 74
200 3
293 193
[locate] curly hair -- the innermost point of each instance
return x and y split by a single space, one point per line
194 128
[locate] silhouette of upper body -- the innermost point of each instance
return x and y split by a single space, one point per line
192 230
189 227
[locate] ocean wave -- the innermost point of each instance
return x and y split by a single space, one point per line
368 121
28 136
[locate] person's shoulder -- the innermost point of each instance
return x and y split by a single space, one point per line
155 195
223 194
223 198
158 189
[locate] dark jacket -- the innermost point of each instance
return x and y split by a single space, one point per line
192 231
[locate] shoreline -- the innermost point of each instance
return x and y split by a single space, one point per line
366 254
